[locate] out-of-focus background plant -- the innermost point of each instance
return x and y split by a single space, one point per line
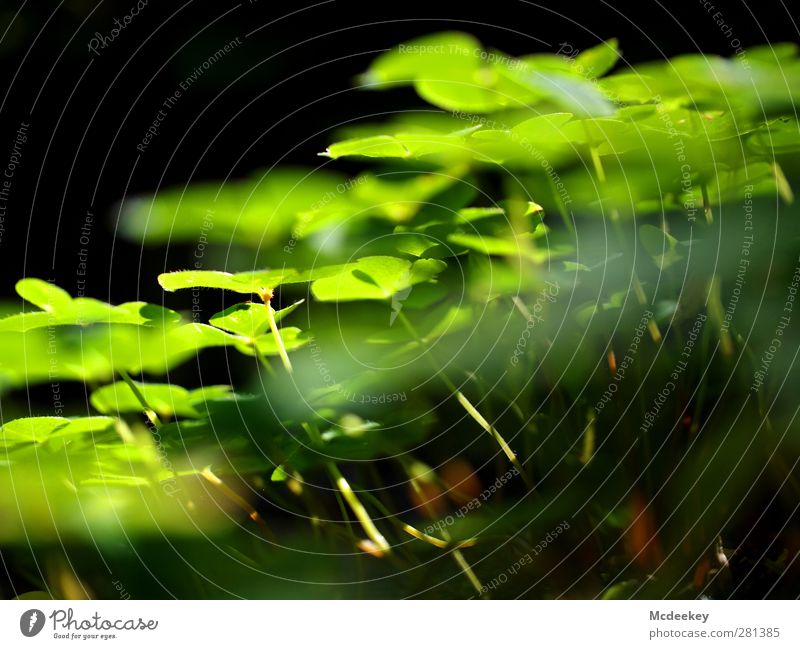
530 334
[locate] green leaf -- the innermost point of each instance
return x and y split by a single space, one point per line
199 396
165 399
256 211
435 56
60 309
404 144
248 283
370 278
184 279
545 132
521 245
431 325
279 474
36 430
598 60
462 92
292 337
47 296
784 52
197 336
249 320
378 146
375 278
282 313
85 487
661 246
413 244
621 590
570 92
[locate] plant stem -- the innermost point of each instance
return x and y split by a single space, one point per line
707 211
262 358
783 185
467 570
457 554
562 210
278 339
716 312
471 410
478 417
148 411
350 496
416 532
266 298
240 502
358 508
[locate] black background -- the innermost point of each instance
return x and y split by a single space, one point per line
273 100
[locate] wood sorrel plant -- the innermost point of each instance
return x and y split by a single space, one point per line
645 196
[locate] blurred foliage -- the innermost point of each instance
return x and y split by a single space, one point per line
573 275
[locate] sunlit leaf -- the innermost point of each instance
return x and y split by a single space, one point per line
375 278
60 309
435 56
598 60
167 400
40 429
249 320
663 247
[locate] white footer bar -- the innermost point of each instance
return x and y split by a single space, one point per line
406 624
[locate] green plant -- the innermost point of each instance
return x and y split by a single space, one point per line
538 280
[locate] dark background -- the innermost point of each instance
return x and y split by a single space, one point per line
276 98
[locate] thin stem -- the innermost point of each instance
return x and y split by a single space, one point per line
266 298
783 185
471 410
562 210
457 554
124 432
358 508
467 570
262 358
151 414
240 502
278 339
478 417
415 532
349 495
717 313
353 538
707 211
